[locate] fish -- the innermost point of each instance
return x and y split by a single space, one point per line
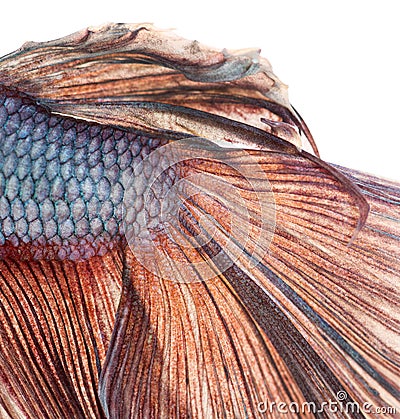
172 244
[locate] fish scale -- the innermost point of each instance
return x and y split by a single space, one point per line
62 181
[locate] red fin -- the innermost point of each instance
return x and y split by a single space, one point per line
297 295
189 350
56 322
119 63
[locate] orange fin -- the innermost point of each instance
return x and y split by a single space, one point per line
57 319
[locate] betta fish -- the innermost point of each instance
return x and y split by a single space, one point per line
172 244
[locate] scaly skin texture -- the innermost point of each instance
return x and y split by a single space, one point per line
197 311
62 181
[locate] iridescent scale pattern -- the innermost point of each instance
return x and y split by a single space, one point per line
62 181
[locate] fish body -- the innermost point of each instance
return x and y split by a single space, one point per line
169 249
63 181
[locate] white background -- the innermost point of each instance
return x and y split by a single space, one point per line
340 59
